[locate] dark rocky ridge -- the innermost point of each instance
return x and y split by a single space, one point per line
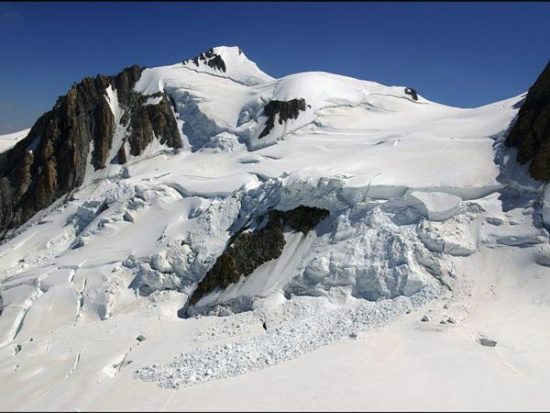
285 109
531 132
51 161
249 249
412 92
211 59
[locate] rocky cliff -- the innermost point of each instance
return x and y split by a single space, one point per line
250 247
531 132
52 160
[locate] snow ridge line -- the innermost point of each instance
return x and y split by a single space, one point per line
223 77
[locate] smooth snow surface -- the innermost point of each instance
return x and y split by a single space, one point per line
428 216
10 140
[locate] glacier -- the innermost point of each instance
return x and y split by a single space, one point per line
420 196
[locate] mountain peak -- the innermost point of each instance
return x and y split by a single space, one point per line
230 62
228 50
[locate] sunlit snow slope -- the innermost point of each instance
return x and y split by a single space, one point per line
8 141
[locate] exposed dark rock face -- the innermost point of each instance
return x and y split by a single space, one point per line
246 252
103 130
412 92
211 59
121 156
104 207
125 82
531 132
150 121
302 218
248 249
51 161
1 305
285 109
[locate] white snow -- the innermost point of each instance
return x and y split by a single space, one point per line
10 140
427 210
436 206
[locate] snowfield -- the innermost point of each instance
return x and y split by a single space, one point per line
10 140
430 219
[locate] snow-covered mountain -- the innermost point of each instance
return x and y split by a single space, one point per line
315 206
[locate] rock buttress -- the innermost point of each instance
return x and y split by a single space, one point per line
148 122
285 109
121 156
51 160
531 132
248 250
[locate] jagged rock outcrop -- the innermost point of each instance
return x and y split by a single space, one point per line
248 249
51 161
150 121
211 59
412 92
531 132
285 109
122 158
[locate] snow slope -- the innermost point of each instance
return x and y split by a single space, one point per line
10 140
425 209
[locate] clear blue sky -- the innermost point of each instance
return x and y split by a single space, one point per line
462 54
